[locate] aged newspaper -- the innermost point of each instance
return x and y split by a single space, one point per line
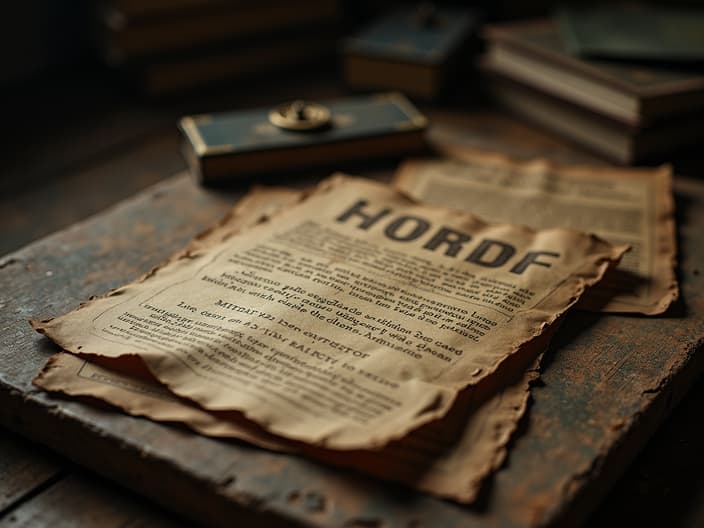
624 206
448 464
346 321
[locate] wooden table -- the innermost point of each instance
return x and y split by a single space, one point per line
582 425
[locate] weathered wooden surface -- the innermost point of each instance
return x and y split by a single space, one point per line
24 469
100 186
606 386
81 501
663 487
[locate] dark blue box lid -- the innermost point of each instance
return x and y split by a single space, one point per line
399 35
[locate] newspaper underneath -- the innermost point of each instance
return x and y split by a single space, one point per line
624 206
346 321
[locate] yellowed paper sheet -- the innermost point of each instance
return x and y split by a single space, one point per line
346 321
74 376
450 464
624 206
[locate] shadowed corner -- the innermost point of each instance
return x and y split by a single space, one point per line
683 271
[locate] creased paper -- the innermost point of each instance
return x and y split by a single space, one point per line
450 462
347 321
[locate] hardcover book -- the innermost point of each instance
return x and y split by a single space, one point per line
534 53
609 138
634 32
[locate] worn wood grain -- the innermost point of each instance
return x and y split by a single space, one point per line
80 501
664 486
58 203
24 468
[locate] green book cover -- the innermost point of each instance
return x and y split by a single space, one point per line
635 32
543 38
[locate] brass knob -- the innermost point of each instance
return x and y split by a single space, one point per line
300 115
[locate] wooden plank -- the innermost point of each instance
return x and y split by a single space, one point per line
24 467
665 485
607 385
81 501
43 209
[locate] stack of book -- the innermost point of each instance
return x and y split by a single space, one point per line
175 46
625 111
